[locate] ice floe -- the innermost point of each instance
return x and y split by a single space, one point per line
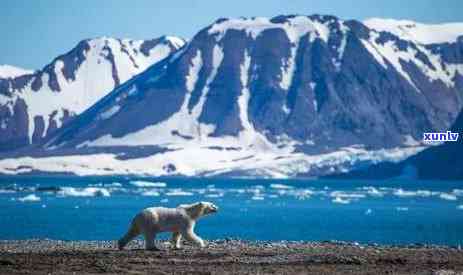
178 192
141 183
151 193
280 186
29 198
419 193
257 198
83 192
448 197
340 200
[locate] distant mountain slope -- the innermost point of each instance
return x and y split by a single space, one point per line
281 97
34 104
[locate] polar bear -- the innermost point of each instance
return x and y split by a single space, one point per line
180 221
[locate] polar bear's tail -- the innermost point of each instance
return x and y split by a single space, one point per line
133 232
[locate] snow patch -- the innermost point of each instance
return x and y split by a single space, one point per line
176 41
8 71
195 67
296 27
418 32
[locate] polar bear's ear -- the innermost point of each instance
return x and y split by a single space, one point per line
202 206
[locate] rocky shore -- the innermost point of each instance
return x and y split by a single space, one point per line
226 257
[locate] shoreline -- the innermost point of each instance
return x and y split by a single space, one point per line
227 257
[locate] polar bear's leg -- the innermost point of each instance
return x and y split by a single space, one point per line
131 234
149 241
192 237
176 240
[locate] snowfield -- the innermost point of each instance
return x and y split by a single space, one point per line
418 32
204 161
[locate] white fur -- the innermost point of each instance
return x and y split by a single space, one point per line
180 221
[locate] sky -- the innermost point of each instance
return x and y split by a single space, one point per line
35 32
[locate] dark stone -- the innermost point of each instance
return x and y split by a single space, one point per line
110 58
169 168
177 133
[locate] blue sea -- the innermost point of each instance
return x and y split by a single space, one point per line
100 208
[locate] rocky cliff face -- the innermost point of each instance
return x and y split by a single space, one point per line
286 96
34 104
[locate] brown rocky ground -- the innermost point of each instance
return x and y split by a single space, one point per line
226 257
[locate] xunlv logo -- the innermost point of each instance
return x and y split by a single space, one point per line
449 136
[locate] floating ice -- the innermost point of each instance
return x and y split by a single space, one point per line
85 192
257 198
342 194
419 193
372 191
340 200
29 198
178 192
141 183
280 186
302 194
150 193
113 184
214 195
448 197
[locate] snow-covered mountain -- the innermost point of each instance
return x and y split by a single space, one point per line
279 97
34 104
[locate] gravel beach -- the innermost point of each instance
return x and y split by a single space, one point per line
226 257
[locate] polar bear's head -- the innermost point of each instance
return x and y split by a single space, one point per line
199 209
